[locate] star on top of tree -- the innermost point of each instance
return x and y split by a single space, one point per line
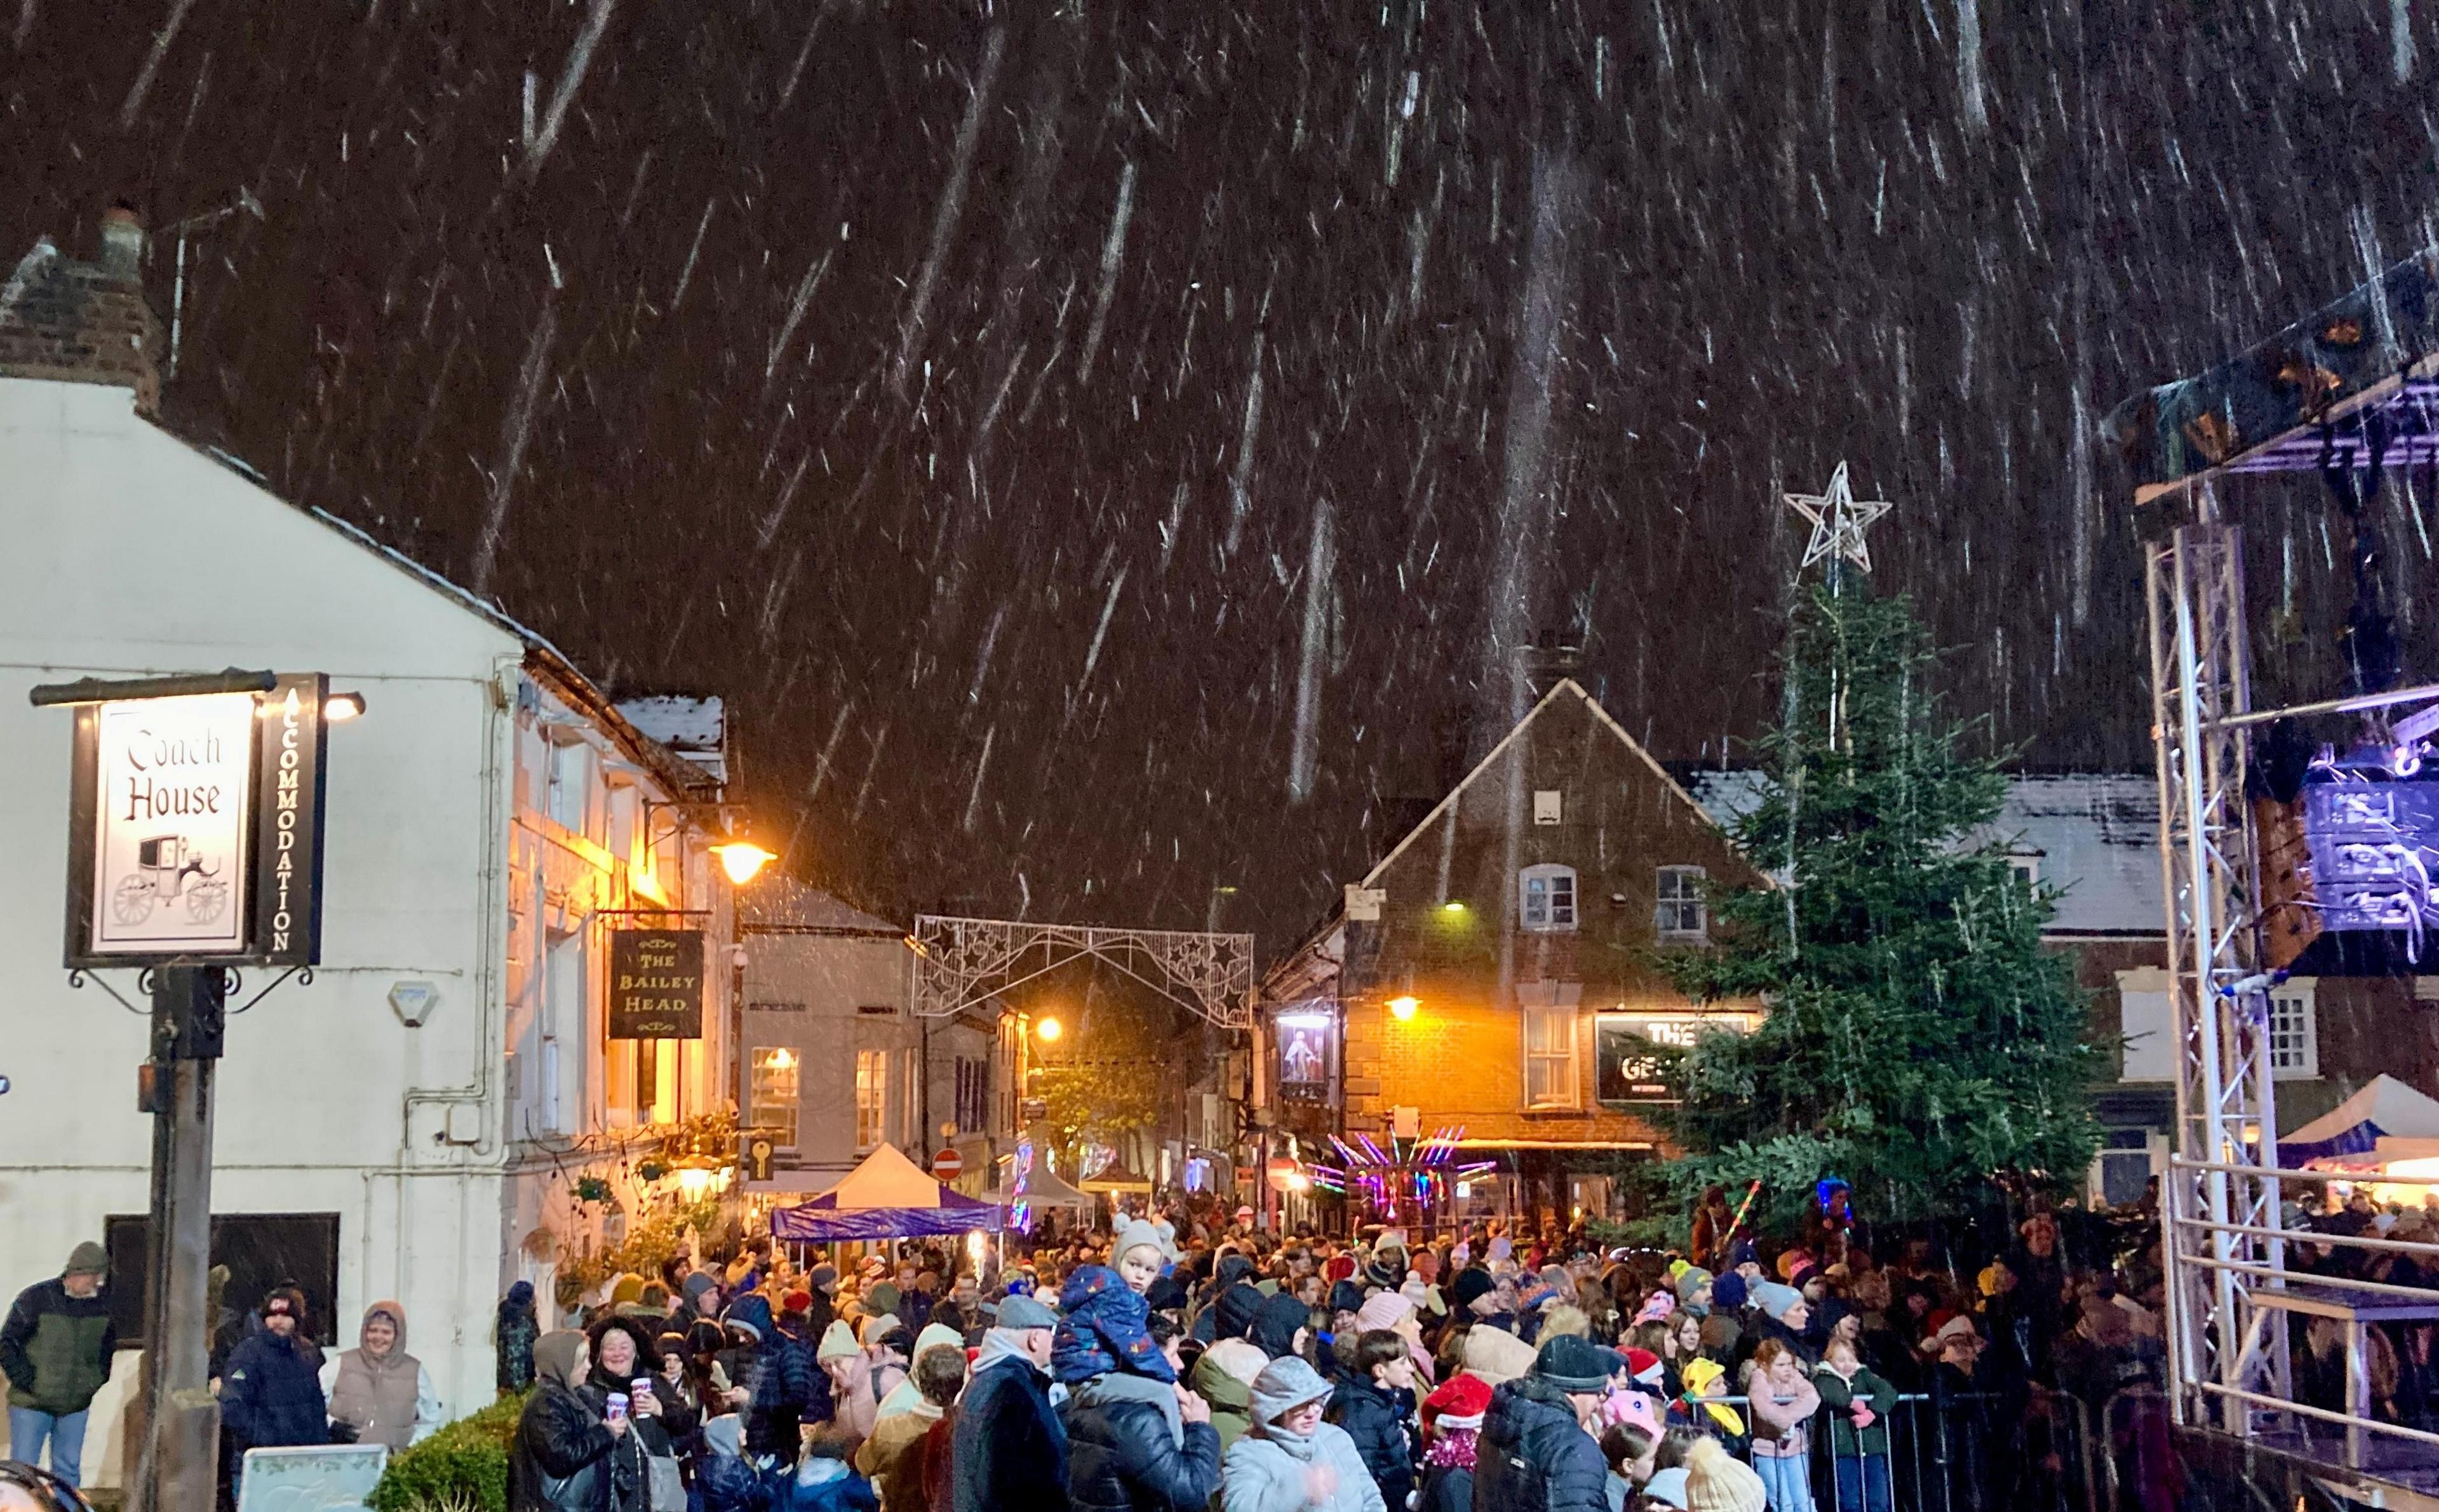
1839 520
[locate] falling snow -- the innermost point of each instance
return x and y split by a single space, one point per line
1104 453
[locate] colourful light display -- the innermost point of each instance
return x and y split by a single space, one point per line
1409 1177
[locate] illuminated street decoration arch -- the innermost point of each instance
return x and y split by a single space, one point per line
962 962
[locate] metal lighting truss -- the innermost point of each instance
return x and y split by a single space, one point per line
960 962
2220 1208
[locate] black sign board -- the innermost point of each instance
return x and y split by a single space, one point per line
757 1152
655 984
288 788
1634 1051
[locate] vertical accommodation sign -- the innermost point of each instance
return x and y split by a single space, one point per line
288 824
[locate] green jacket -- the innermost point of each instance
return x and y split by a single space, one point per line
1231 1400
1837 1397
55 1348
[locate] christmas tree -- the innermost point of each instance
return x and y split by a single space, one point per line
1919 1042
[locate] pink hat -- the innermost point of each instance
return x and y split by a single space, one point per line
1632 1408
1657 1307
1383 1310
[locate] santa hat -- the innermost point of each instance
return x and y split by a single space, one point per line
1459 1403
1945 1324
1643 1367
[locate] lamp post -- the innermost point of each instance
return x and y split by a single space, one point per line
269 855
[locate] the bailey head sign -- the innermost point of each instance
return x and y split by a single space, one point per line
655 984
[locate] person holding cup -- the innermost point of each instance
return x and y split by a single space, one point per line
562 1444
619 1388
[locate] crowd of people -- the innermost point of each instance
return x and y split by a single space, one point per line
1186 1362
1173 1364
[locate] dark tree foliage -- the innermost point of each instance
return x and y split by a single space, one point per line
1919 1041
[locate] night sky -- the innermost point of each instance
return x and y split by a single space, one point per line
1106 451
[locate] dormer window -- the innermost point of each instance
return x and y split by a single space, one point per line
1546 898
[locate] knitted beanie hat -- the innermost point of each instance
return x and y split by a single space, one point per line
1715 1483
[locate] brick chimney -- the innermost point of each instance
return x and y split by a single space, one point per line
73 322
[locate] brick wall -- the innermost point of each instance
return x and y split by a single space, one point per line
75 322
1460 1059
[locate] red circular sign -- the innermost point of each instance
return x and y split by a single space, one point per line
946 1165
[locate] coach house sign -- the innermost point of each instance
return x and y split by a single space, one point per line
195 828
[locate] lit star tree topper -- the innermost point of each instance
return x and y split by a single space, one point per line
1839 520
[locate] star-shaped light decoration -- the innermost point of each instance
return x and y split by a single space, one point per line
1839 520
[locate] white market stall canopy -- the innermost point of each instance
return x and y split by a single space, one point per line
888 1197
2385 1107
1044 1189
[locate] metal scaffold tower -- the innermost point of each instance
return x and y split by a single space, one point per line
2223 1185
2349 394
961 963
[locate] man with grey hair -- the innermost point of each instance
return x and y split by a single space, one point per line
1010 1449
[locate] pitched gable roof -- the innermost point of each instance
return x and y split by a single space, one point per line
1318 939
1566 688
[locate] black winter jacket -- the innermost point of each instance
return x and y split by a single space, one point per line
626 1481
789 1389
555 1462
1446 1489
1375 1420
1121 1459
1010 1449
271 1395
1535 1457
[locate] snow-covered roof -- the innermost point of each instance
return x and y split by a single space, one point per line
2093 836
2096 839
781 903
695 725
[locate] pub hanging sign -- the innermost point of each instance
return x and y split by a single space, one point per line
195 828
656 983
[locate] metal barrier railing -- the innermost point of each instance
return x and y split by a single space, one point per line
2026 1450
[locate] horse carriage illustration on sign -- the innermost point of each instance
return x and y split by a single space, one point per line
166 868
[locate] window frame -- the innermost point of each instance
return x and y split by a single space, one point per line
1548 874
871 1099
2300 995
767 1058
1661 901
1547 1007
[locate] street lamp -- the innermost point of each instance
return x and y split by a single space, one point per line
1048 1031
743 859
1404 1006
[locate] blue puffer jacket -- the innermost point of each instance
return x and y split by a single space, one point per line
271 1394
1534 1456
